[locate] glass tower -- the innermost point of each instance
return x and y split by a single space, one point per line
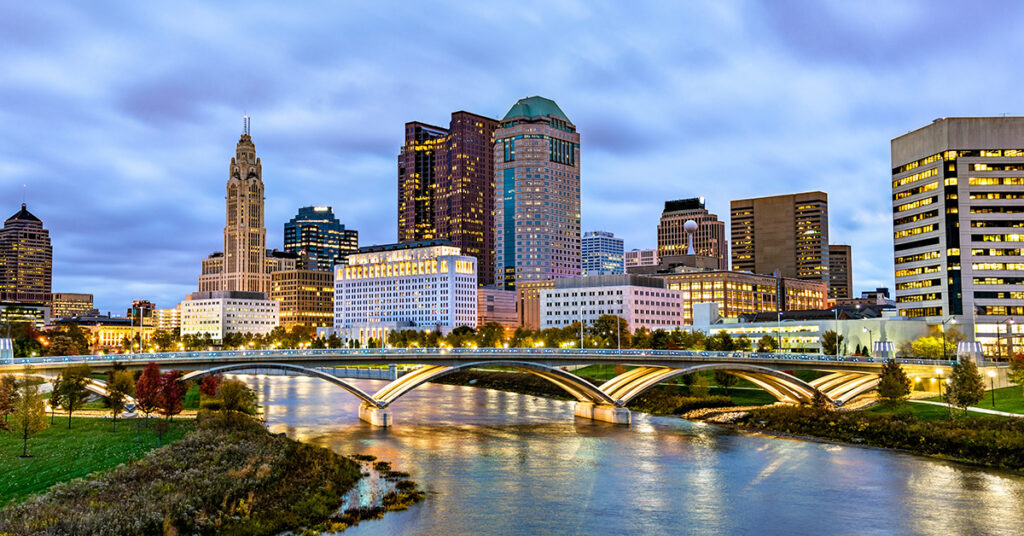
602 254
320 240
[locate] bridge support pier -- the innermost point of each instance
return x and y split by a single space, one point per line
374 415
602 412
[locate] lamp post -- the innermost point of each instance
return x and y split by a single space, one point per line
870 340
779 330
945 354
837 330
1009 338
992 386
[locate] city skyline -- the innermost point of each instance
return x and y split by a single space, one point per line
125 166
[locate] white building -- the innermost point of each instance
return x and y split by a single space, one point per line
416 285
641 301
167 319
602 254
228 311
641 257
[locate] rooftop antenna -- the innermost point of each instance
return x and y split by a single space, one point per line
245 124
24 192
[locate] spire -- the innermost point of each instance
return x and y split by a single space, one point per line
245 124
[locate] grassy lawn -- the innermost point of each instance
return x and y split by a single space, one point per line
59 454
1008 399
927 412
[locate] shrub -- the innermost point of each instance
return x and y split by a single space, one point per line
668 402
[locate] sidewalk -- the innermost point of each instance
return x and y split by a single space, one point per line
971 408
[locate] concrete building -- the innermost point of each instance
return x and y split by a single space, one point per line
26 259
69 304
446 187
641 257
641 301
416 285
167 319
496 305
319 239
37 314
738 293
306 297
602 254
528 302
709 240
840 268
108 333
228 311
536 194
787 233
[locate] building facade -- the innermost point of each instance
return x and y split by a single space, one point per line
26 259
709 240
958 207
446 187
228 311
840 268
319 239
167 319
787 233
306 297
640 257
528 302
416 285
602 254
641 301
536 194
738 293
496 305
71 304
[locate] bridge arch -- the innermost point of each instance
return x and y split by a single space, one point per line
362 395
784 387
576 386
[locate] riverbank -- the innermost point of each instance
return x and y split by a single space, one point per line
227 476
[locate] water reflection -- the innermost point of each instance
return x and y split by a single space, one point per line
502 463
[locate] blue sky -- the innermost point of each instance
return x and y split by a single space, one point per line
121 118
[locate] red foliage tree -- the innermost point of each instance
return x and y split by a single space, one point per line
147 390
172 394
209 385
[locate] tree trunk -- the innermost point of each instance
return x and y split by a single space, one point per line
115 421
70 409
24 445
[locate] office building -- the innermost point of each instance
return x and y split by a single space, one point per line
528 302
110 334
784 233
167 319
70 304
957 212
536 194
446 187
228 311
318 239
641 301
37 314
602 254
737 293
306 297
840 272
641 257
425 285
708 241
26 259
496 305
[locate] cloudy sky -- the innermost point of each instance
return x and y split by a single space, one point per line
121 118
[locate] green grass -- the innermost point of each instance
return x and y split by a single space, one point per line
746 396
926 412
1008 399
59 454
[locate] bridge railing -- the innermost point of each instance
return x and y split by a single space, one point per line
596 353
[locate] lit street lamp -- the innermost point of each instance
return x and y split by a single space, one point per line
949 403
952 320
992 386
870 340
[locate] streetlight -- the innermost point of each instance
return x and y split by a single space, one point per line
779 330
945 354
870 340
1009 340
837 330
992 386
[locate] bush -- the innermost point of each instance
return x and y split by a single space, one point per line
666 402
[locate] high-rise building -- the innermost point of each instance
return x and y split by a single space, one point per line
602 254
446 186
243 264
536 194
26 259
71 304
784 233
228 311
306 297
840 271
320 240
167 319
709 240
957 212
496 305
737 293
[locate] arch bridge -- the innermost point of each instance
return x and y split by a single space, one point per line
845 377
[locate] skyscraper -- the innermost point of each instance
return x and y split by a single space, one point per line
446 186
320 240
602 254
840 271
243 266
788 233
536 194
26 259
709 240
957 210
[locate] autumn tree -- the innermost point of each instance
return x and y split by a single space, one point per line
8 398
56 396
236 396
171 394
967 386
120 388
72 388
147 390
29 417
894 385
209 385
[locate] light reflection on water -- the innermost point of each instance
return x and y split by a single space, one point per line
502 463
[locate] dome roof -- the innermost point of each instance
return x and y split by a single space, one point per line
535 107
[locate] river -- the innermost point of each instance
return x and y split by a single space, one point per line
503 463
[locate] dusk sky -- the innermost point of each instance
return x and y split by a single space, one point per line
121 118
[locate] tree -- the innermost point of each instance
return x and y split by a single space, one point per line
171 394
967 386
72 388
721 341
1015 374
894 385
56 396
147 390
209 385
29 417
120 388
236 396
831 342
767 344
8 398
742 343
700 387
726 380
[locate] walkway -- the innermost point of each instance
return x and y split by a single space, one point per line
971 408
